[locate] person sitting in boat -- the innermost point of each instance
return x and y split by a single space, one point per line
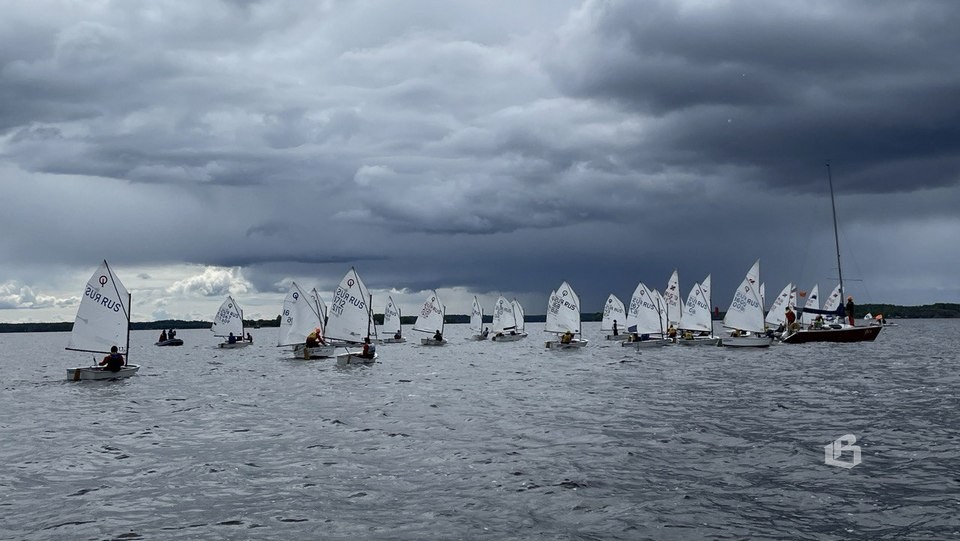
249 338
438 336
114 361
396 335
172 334
688 335
486 332
818 322
369 349
672 332
616 332
566 338
498 335
312 340
231 339
163 335
735 333
513 332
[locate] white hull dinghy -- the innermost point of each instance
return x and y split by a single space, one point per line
431 319
350 324
563 318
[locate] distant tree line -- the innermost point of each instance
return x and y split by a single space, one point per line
938 310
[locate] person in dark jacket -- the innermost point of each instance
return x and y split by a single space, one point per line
114 361
849 310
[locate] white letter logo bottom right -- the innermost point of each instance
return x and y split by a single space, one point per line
833 451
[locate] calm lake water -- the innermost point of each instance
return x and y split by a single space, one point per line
484 441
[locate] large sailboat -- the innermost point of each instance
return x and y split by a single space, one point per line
563 319
102 323
840 330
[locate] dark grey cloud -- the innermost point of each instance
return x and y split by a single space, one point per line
490 147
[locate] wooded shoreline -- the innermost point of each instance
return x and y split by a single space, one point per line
889 311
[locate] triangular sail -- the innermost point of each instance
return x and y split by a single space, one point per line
812 306
746 308
613 310
229 319
647 309
671 296
430 319
391 318
350 318
763 296
103 317
662 307
563 311
504 317
476 315
833 301
300 317
518 315
696 312
776 317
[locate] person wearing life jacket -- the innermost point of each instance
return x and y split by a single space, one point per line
114 361
163 336
369 349
566 338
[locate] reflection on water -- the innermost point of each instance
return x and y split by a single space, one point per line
484 440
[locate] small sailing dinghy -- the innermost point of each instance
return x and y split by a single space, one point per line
563 319
614 316
229 322
519 318
430 320
350 321
476 322
696 322
745 315
391 328
102 323
301 325
646 319
504 321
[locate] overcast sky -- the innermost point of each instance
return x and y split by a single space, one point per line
475 147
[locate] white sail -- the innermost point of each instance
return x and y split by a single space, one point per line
300 317
476 315
833 301
776 317
813 301
350 318
746 309
518 315
613 310
696 312
321 307
504 317
103 316
391 318
648 309
763 296
430 319
671 296
563 311
633 310
229 319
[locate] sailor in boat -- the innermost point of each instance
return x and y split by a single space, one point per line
249 338
312 340
849 309
672 332
616 332
566 338
396 335
163 336
231 339
736 332
486 332
369 349
818 322
113 362
438 336
172 334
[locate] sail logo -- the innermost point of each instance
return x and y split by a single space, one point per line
296 296
833 452
101 300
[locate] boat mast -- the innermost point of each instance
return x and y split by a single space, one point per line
126 358
836 234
